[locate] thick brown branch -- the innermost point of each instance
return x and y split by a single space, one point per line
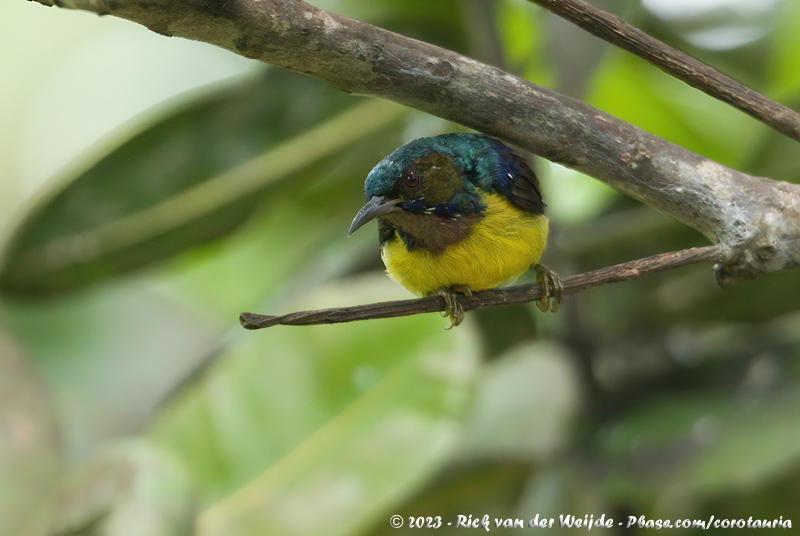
680 65
489 298
753 217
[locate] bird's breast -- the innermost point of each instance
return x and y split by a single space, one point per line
499 247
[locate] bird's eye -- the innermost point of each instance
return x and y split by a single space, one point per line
411 179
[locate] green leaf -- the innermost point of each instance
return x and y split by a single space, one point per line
785 44
382 447
522 36
350 418
638 93
109 355
187 180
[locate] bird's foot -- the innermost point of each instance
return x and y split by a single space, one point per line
551 289
452 307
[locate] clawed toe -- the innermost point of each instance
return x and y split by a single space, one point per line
452 307
551 289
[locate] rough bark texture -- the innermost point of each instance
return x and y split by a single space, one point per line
757 220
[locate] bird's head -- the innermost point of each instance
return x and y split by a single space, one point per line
423 189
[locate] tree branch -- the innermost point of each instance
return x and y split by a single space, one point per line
755 219
676 63
489 298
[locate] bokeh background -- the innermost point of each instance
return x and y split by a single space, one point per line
152 188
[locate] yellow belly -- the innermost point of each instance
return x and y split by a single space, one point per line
499 248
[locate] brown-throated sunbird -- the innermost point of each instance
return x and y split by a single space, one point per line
458 213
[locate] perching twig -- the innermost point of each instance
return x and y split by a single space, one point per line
676 63
489 298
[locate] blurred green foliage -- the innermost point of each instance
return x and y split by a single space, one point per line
134 404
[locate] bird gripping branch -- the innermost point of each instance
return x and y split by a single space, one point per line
458 213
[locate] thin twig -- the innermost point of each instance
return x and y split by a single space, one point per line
489 298
695 73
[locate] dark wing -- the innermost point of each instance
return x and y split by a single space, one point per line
515 180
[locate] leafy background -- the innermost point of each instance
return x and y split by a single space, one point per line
153 188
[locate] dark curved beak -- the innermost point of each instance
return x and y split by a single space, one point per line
377 206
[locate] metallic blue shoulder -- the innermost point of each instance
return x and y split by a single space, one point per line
493 165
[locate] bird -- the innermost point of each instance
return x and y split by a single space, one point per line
458 213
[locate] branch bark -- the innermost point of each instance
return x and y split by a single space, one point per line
489 298
756 220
